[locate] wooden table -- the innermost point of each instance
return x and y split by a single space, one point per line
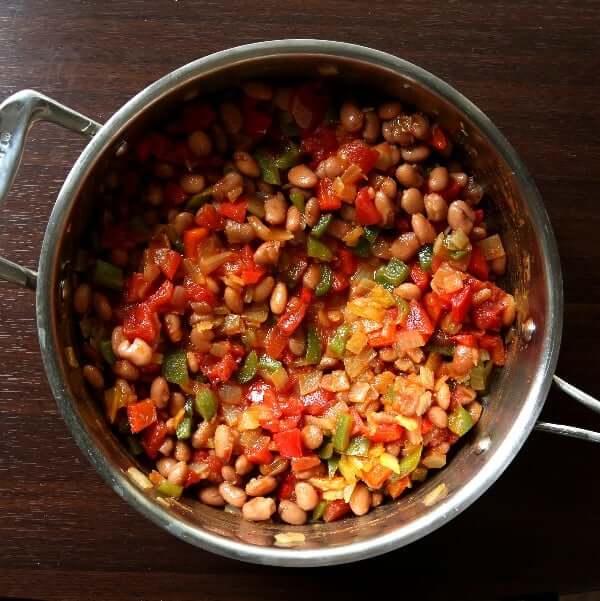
533 68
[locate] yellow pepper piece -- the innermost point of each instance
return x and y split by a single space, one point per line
391 462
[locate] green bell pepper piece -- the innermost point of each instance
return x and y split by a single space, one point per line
392 274
297 199
318 250
460 421
313 346
134 445
370 232
362 249
341 436
178 245
403 308
107 352
256 207
197 200
248 370
184 429
479 376
425 257
289 157
332 465
287 124
175 367
325 281
445 351
269 364
268 169
326 450
409 463
359 446
318 511
206 404
168 489
108 275
321 225
337 343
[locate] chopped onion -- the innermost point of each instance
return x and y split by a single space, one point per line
437 494
309 382
352 174
266 234
230 393
353 236
338 228
257 312
358 392
491 247
434 461
219 349
447 280
409 339
336 381
231 414
356 365
209 264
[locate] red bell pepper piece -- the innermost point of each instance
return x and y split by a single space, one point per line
426 426
385 337
141 322
234 210
478 266
346 260
260 392
192 478
197 116
495 346
396 487
366 211
377 475
335 510
321 144
161 298
191 239
259 452
208 217
306 296
419 277
328 201
479 214
465 340
291 406
153 437
174 194
137 288
418 320
286 489
340 282
451 192
387 433
435 306
141 415
301 464
221 371
289 443
168 261
199 293
461 303
488 315
438 138
436 262
358 153
256 123
253 275
275 342
308 105
358 426
318 401
292 317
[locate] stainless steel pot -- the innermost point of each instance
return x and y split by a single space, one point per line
517 395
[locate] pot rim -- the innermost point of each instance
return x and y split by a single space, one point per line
444 510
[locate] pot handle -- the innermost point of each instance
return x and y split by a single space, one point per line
572 431
17 114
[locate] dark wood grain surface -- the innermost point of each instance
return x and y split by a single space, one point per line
534 68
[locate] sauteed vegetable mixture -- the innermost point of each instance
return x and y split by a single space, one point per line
289 305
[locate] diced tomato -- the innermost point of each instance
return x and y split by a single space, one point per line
426 426
366 211
197 116
220 371
291 406
387 433
141 415
335 510
418 319
301 464
347 261
174 194
308 105
328 201
286 488
438 138
318 401
253 275
259 452
377 475
419 276
495 346
256 123
340 282
168 261
435 306
292 317
436 262
358 426
465 340
359 153
384 337
161 298
136 288
306 296
153 437
478 266
235 210
208 217
461 303
321 144
199 293
191 478
191 239
275 342
141 322
289 443
260 392
396 487
488 315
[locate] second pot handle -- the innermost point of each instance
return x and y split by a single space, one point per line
17 114
572 431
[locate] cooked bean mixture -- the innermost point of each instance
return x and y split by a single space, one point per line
288 305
